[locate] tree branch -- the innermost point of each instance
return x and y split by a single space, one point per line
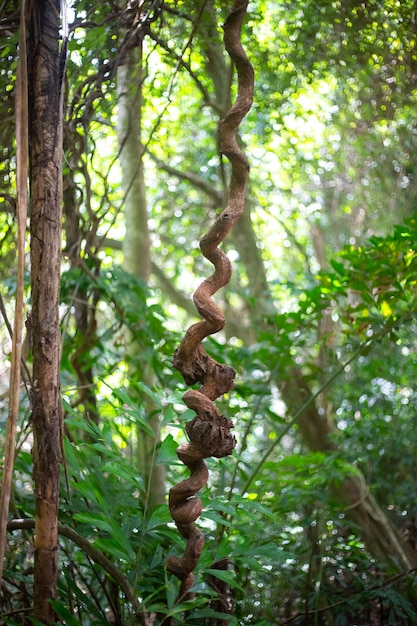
190 177
208 100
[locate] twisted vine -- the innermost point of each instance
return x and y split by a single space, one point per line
209 431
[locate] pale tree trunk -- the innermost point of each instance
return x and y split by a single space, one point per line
45 139
325 324
136 243
382 539
136 248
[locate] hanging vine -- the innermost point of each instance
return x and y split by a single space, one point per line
209 431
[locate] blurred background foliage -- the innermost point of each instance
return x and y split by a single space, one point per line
320 314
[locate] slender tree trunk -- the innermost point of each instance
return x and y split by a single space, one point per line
22 154
45 140
84 311
136 248
136 243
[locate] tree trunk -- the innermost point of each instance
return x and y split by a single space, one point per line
136 243
136 248
45 140
84 306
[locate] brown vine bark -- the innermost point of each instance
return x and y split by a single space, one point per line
210 432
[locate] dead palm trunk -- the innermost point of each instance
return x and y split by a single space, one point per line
45 71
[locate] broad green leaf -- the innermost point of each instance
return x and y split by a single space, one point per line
148 392
94 520
115 548
167 452
159 517
224 575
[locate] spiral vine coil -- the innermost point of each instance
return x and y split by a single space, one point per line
209 431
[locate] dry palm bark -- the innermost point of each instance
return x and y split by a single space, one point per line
209 432
45 74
